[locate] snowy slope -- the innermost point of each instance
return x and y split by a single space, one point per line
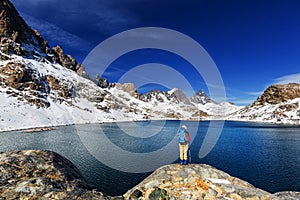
283 113
219 111
88 102
92 104
82 106
280 103
17 114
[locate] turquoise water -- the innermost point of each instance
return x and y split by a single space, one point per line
267 156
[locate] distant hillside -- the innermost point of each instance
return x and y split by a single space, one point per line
278 104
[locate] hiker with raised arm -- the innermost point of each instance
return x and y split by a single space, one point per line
184 140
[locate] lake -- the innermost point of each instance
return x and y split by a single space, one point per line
114 157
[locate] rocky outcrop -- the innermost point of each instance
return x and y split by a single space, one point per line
128 88
157 96
57 56
18 38
36 174
21 79
200 114
276 94
278 104
288 195
15 33
101 82
195 181
39 174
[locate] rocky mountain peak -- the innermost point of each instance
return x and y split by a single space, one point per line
279 93
14 30
180 96
18 38
65 60
127 87
201 98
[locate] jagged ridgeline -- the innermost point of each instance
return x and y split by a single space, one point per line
19 41
37 81
18 38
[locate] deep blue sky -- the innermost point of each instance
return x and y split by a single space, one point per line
254 43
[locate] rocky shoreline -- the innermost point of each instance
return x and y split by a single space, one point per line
39 174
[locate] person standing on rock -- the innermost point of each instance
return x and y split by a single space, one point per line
184 140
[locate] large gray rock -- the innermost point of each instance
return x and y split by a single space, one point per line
37 174
196 181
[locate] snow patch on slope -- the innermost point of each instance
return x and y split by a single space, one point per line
283 113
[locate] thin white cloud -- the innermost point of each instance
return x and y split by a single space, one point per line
291 78
57 35
243 102
255 93
93 16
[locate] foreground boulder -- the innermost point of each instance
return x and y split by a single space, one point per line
195 181
38 174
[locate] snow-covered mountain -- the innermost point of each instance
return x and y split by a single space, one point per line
40 86
278 104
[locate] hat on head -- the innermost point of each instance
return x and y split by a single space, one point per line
184 126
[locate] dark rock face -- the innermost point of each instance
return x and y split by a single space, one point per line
279 93
13 29
101 82
159 96
136 194
201 98
66 60
18 38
